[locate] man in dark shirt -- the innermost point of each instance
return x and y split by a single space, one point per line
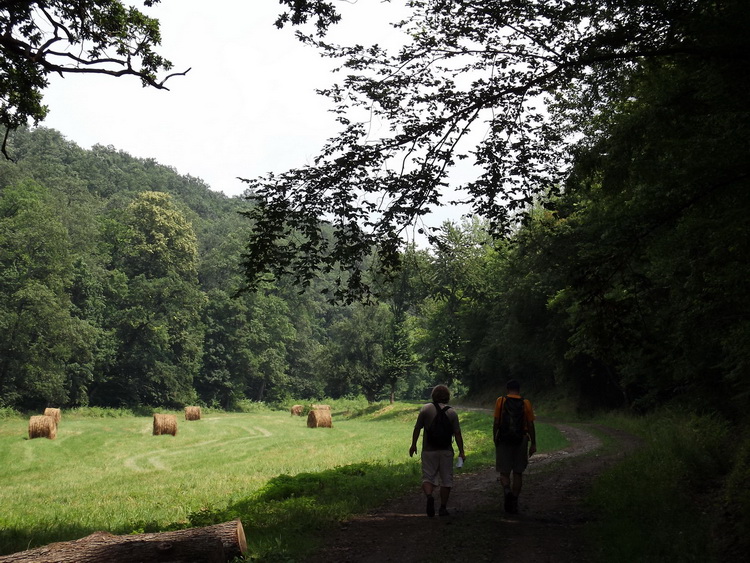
437 459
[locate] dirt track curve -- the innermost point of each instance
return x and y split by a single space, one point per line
549 527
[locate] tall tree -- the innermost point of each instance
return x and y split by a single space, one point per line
398 359
459 252
271 332
158 320
404 295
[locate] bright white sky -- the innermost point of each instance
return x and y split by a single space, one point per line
246 108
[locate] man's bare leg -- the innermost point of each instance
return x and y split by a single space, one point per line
428 487
445 493
507 495
517 483
505 480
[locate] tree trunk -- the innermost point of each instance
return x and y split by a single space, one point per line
212 544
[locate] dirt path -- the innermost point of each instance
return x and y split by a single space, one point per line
548 528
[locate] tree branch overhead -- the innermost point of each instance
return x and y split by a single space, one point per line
103 37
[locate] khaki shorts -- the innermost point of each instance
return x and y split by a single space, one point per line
437 463
512 458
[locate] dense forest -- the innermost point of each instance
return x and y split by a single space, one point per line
122 285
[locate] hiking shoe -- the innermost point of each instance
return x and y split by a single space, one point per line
508 504
513 504
443 511
430 507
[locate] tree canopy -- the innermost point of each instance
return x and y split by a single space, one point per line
71 37
514 87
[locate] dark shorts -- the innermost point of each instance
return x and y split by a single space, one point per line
512 458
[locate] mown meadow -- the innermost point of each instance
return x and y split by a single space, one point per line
286 482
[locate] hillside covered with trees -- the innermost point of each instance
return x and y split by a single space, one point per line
121 286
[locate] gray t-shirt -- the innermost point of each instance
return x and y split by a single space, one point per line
426 415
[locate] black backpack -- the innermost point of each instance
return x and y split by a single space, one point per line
439 434
511 430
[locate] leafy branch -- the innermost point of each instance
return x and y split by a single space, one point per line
80 37
508 67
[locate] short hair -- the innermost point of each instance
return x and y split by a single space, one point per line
441 394
513 385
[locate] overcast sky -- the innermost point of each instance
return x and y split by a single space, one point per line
246 108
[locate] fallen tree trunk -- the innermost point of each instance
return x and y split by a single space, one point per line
212 544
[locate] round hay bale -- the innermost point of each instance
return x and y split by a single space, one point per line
297 410
41 426
320 407
54 413
192 413
319 419
165 424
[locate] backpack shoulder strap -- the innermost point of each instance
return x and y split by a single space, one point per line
438 409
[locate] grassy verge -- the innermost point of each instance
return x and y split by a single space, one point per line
660 504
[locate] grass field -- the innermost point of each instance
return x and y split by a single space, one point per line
264 467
